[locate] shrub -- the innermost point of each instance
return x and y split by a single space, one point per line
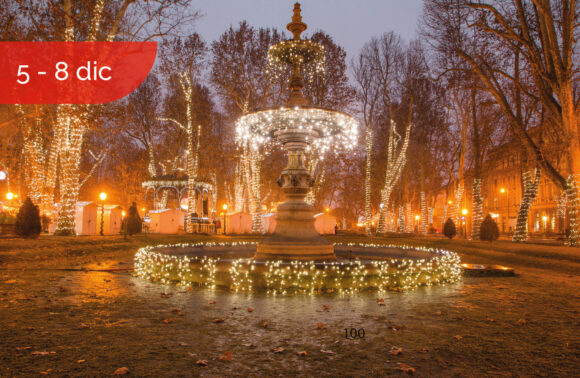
27 223
488 229
449 228
133 222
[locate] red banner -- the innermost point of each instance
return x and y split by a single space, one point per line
72 72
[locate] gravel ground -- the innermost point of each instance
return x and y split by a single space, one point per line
62 317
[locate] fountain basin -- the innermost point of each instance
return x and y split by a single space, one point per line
358 267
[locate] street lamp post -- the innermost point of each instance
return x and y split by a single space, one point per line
103 197
225 207
507 192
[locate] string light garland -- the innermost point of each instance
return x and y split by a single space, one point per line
309 55
430 215
530 192
477 212
298 277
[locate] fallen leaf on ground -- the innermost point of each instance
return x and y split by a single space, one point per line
219 320
326 307
30 328
46 372
424 350
227 356
23 348
438 313
80 361
183 344
405 368
278 350
211 301
250 309
320 325
521 322
83 325
302 353
380 300
191 354
175 309
10 282
166 295
490 320
43 353
396 350
201 362
326 351
265 324
168 320
180 313
121 371
458 337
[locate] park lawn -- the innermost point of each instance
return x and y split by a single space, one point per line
83 322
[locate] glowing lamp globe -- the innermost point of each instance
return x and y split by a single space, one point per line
9 196
103 196
2 175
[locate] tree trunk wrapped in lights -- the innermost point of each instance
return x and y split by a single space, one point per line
444 218
395 162
530 191
369 147
401 221
424 214
314 190
72 120
477 213
573 209
561 212
251 162
455 212
409 224
430 222
238 189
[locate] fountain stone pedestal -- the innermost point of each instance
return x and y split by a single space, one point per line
295 237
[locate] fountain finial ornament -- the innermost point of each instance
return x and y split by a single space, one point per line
296 27
299 127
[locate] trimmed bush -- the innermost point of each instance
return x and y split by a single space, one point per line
449 228
27 223
488 230
133 222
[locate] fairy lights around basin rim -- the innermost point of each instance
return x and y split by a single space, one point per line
324 128
298 277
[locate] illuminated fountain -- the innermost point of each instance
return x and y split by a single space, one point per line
295 259
298 127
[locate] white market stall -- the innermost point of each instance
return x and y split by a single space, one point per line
113 219
166 221
238 223
324 224
86 218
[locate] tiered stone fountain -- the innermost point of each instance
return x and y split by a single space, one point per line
295 258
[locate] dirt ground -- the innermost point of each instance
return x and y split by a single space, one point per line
62 316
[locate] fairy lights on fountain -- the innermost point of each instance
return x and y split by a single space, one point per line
298 277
